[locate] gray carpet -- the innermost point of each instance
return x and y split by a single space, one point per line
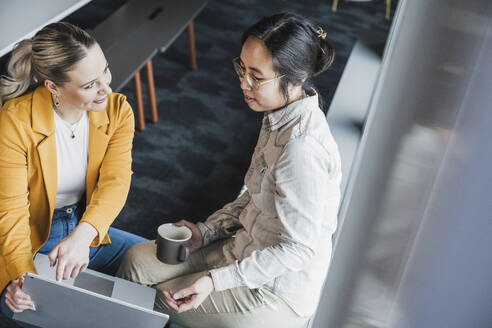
192 161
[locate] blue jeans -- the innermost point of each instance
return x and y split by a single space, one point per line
104 258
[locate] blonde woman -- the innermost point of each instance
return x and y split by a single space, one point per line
65 161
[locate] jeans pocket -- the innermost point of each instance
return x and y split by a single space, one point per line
57 233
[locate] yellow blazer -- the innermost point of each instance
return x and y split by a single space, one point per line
28 175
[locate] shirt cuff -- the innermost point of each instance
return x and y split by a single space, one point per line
227 277
207 233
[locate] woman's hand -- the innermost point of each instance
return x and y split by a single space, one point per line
190 297
16 299
196 237
72 253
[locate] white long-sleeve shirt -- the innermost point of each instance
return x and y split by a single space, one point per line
283 223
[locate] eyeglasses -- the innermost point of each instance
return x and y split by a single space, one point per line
252 81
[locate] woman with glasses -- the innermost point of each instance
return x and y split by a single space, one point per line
65 161
261 260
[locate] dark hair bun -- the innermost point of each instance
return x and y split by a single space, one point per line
326 56
298 47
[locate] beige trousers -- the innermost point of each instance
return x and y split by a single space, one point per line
237 307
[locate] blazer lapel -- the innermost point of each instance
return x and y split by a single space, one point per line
98 144
43 123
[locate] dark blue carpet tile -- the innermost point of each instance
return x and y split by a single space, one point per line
193 160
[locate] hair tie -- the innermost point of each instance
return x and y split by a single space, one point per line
320 32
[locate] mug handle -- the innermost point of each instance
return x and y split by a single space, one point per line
184 252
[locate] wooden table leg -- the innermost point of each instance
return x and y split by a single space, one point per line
191 41
151 89
388 9
139 102
334 5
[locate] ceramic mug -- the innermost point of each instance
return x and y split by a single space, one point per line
172 243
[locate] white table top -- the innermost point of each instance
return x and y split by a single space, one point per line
20 19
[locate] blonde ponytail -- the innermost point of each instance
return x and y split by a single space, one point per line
49 55
20 77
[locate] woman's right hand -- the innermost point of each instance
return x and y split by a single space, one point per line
196 235
16 299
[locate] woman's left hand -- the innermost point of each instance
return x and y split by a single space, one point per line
72 254
190 297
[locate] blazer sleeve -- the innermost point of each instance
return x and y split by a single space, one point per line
110 193
15 242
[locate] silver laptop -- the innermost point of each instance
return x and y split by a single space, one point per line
92 299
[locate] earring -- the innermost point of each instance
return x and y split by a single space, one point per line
56 102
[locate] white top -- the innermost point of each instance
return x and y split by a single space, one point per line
284 222
71 157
